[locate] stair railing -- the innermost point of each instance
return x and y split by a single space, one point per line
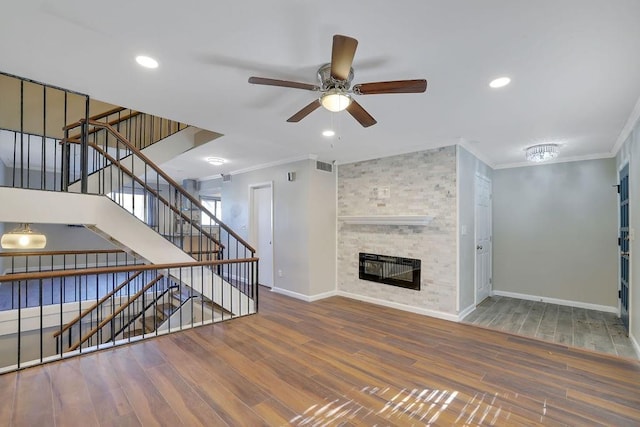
120 170
46 333
12 262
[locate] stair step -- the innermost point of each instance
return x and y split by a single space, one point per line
130 334
165 310
151 323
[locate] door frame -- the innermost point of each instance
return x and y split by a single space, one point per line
475 235
624 163
252 221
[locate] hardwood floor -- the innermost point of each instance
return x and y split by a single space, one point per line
332 362
579 327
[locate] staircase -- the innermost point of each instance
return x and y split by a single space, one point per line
103 169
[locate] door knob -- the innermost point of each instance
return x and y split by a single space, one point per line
624 254
479 247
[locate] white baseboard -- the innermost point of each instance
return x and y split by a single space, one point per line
303 297
577 304
635 344
467 311
400 306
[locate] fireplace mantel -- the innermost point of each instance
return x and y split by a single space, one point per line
419 220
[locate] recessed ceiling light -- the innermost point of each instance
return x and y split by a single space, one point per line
328 132
216 161
146 61
500 82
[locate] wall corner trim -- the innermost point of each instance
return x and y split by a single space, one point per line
577 304
467 311
635 344
303 297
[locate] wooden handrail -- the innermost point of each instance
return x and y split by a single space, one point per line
119 269
177 211
96 117
115 313
95 305
55 253
75 139
170 181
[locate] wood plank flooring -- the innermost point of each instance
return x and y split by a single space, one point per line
579 327
332 362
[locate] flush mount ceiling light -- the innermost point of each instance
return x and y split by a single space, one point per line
335 100
499 82
146 61
542 152
328 133
23 237
216 161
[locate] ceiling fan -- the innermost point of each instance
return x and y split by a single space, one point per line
335 85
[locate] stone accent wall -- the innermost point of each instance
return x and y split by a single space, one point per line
422 183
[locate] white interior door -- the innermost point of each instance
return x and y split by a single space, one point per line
483 238
262 230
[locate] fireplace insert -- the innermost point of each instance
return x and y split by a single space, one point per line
392 270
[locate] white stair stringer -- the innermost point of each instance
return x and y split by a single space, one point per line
224 294
104 216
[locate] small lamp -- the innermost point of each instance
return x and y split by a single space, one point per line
23 237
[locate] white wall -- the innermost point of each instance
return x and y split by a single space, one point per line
467 168
304 224
630 153
555 230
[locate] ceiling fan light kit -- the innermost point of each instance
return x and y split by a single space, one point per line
542 152
335 100
335 85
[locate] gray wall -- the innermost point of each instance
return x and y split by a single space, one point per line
468 166
2 183
555 229
304 223
630 153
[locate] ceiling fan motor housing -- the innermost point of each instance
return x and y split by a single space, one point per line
328 82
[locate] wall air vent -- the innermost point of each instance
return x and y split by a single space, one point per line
322 166
226 178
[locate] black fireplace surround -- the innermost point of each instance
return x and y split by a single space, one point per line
392 270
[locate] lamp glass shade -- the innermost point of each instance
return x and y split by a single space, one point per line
334 100
23 237
542 152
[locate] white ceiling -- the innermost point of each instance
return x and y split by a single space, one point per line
574 65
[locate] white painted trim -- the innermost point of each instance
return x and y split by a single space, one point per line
634 117
400 306
467 311
252 231
265 166
595 156
458 234
577 304
635 345
417 220
304 297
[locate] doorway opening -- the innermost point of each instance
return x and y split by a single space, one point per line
261 229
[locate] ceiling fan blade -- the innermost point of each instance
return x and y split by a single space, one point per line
398 86
342 53
304 112
282 83
360 114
